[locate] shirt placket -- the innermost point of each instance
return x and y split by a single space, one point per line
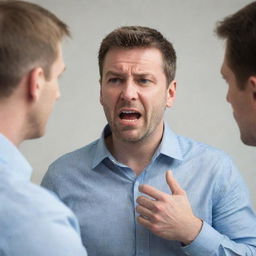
141 233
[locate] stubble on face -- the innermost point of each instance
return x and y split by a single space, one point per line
149 101
151 124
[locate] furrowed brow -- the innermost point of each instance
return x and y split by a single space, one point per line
144 75
113 73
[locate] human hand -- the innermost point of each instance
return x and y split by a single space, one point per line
168 215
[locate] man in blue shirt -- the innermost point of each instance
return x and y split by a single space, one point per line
126 202
239 68
33 222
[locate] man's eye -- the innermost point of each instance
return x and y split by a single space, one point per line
144 81
114 80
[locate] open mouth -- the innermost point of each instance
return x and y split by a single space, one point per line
129 115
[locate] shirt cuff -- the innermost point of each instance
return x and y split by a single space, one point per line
206 243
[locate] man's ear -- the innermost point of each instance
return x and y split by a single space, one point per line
171 94
36 81
252 86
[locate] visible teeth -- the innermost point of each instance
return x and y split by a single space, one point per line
128 112
129 115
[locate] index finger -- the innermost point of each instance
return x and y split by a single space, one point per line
152 192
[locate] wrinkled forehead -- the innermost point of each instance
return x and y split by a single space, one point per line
139 59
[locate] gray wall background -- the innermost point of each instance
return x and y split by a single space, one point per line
200 112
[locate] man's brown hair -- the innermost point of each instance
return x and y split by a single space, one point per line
143 37
29 37
239 30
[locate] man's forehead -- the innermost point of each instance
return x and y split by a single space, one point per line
139 60
134 54
117 72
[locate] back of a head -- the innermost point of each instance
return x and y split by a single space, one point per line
129 37
29 38
239 30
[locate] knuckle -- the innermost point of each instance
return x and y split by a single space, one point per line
155 218
161 198
159 207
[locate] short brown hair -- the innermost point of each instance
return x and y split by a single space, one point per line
29 37
144 37
240 31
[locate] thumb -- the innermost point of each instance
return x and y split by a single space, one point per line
173 184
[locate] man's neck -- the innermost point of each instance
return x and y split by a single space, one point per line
136 155
11 124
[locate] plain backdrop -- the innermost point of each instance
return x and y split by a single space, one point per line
200 112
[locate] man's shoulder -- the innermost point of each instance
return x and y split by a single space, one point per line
83 154
208 160
70 165
188 148
30 200
32 212
205 154
192 148
27 202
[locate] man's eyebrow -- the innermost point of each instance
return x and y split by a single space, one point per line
113 73
144 74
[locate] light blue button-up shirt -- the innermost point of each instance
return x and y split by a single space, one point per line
102 192
33 222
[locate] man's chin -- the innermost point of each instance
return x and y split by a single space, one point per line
248 140
36 134
130 136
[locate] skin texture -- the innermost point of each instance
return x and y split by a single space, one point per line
134 80
243 103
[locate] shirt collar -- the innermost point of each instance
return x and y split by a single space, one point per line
169 138
101 151
169 145
11 157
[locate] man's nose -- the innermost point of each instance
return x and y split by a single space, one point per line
228 97
129 91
